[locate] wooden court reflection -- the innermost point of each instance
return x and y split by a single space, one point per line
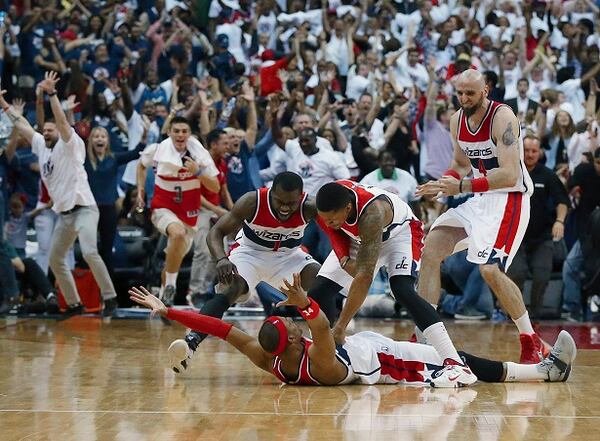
87 380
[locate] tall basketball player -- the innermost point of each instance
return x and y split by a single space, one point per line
491 224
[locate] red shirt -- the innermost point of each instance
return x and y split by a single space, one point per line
211 196
269 81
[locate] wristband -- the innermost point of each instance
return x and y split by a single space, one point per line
460 190
451 172
311 311
52 94
221 258
480 185
559 221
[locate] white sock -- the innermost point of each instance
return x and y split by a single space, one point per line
419 335
170 279
524 324
523 372
438 337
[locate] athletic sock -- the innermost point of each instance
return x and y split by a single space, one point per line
215 307
524 324
420 337
438 337
523 372
170 279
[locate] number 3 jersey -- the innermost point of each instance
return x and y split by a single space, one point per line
175 188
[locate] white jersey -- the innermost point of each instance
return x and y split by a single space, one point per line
483 152
62 172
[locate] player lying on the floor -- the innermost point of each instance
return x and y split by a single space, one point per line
365 357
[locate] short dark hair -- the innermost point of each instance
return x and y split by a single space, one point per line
268 337
523 79
288 181
385 152
332 197
213 136
180 120
491 77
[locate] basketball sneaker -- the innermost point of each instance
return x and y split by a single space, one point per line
557 366
168 295
533 349
453 374
182 350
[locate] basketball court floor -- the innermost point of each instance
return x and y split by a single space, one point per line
85 379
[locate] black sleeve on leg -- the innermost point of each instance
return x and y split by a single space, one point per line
486 370
403 288
324 292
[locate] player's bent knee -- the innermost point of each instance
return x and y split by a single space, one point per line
176 232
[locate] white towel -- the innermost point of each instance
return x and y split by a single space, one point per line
169 160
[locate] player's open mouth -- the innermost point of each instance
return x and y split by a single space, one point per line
284 213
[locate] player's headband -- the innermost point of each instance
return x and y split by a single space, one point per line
283 334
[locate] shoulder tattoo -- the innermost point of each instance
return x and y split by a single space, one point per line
508 137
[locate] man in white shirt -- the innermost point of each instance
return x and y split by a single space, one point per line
316 166
183 166
61 154
393 179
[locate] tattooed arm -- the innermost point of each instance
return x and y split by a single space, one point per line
505 133
370 227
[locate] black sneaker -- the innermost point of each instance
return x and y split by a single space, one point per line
168 296
110 307
71 311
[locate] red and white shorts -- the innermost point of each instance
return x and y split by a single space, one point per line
495 224
376 359
400 254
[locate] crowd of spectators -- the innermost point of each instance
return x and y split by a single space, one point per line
359 89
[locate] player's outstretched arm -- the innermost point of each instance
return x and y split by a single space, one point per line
505 132
322 351
370 227
243 342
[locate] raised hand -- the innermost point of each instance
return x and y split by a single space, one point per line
18 105
71 104
48 84
247 92
142 297
296 296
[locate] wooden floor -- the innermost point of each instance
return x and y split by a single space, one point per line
85 379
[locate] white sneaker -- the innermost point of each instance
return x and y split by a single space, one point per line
453 374
557 366
179 355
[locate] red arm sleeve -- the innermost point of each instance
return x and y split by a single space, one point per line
339 241
201 323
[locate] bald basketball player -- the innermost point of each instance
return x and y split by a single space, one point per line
365 358
488 162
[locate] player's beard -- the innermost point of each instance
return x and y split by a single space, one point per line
469 111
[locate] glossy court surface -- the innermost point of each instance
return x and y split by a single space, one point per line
84 379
